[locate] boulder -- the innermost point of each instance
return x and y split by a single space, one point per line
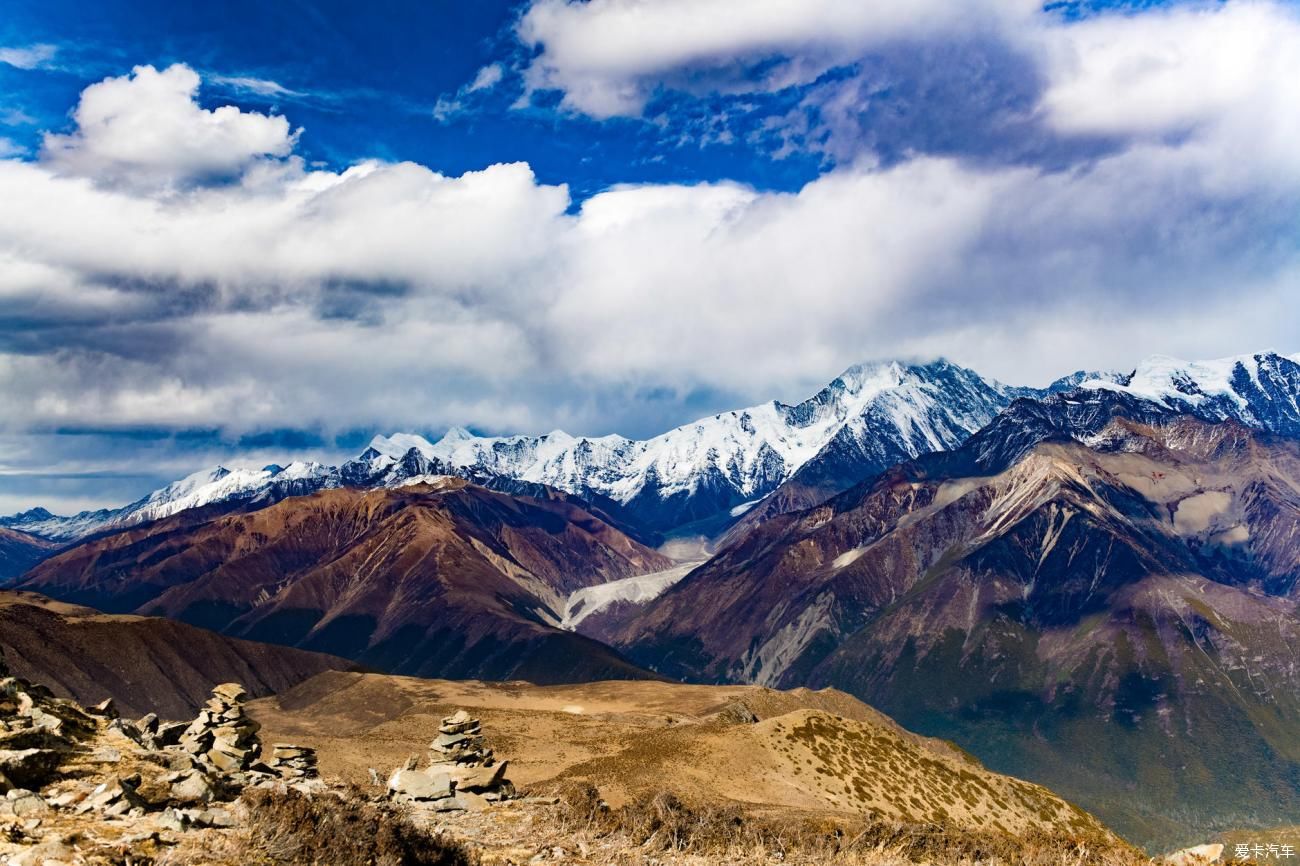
477 778
193 787
30 768
416 785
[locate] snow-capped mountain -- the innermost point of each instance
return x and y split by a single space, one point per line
206 487
711 472
716 467
1261 391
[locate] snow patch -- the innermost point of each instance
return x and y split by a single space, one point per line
641 589
848 557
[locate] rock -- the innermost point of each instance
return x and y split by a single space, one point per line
415 785
192 788
737 713
169 733
220 818
478 778
29 768
472 802
21 803
450 804
231 692
173 820
1196 856
449 741
155 792
105 709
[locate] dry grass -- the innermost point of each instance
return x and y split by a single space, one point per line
663 826
286 828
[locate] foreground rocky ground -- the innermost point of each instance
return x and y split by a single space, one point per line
80 786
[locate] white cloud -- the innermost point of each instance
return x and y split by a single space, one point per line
609 56
249 84
146 128
1227 75
29 57
487 77
392 296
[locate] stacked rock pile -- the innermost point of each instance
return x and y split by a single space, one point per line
293 762
222 735
462 772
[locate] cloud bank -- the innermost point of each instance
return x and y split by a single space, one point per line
168 266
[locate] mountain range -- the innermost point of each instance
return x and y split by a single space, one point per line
447 578
703 477
1106 566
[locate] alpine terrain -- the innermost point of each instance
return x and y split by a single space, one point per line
1089 574
447 578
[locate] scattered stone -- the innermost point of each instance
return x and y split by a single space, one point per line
194 787
173 820
29 768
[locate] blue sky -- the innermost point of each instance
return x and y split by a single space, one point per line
247 232
365 80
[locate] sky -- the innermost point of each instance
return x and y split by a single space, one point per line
247 232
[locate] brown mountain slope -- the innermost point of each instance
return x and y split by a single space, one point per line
20 551
452 579
145 664
819 753
1134 601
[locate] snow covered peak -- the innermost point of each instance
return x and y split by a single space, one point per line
1258 390
1162 378
870 417
399 443
454 435
711 465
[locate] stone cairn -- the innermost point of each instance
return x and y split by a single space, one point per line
293 762
462 773
222 735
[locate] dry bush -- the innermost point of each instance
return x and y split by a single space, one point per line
286 828
661 823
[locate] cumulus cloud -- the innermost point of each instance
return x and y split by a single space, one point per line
147 128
